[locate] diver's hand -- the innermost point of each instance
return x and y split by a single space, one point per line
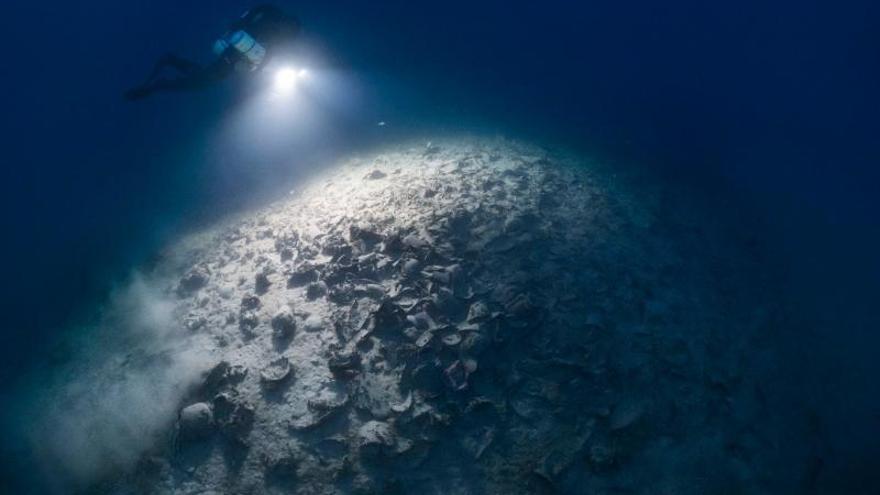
137 93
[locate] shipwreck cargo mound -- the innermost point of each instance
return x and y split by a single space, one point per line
464 316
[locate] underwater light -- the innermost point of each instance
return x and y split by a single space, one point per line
285 79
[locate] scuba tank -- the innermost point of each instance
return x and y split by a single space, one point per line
246 45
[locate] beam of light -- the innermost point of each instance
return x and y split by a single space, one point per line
286 79
267 139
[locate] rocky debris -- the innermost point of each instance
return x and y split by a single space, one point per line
276 373
195 421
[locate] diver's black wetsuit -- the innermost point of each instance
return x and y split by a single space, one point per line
267 24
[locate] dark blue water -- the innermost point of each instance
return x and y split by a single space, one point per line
771 106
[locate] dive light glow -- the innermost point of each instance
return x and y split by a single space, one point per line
287 77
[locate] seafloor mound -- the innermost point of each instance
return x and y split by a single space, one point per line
466 317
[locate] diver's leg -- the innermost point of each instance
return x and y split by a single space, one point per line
194 80
171 60
162 84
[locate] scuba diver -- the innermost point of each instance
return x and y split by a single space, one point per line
246 47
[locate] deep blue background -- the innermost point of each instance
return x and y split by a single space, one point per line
772 105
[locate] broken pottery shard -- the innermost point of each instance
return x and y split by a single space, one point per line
283 324
216 378
424 339
321 411
470 365
375 175
313 323
458 372
402 407
248 321
375 439
344 364
234 418
391 244
413 241
431 149
282 468
250 303
428 378
373 291
452 339
527 407
520 307
324 407
277 372
600 456
478 312
478 441
316 290
370 238
626 414
195 421
222 375
411 267
194 280
261 283
422 321
302 275
437 274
